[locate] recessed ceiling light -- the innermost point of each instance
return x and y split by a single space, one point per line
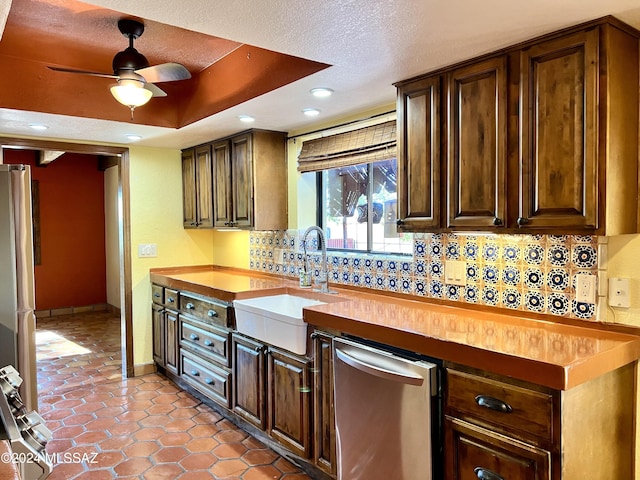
311 112
37 126
133 137
321 92
246 118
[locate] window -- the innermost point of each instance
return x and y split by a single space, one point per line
358 208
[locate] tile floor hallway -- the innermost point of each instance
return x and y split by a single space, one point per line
142 427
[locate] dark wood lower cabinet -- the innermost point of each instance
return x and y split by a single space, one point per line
157 317
474 453
324 450
171 360
248 359
289 392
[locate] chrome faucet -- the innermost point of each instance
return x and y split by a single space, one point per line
323 277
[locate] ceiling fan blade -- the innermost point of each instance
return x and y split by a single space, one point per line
82 72
157 91
165 72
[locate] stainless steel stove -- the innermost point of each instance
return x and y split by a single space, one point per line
25 430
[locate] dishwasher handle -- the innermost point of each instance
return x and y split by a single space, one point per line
406 377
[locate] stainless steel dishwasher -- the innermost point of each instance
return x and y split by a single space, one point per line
387 414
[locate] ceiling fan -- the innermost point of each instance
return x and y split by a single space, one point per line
135 78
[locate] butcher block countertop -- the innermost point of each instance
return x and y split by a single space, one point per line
538 350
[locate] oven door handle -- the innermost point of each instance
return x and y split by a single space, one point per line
406 377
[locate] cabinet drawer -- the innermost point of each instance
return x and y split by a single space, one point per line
475 453
208 340
157 294
517 411
206 310
171 298
209 379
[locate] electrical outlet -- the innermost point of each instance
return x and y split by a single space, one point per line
586 288
278 255
619 292
455 272
147 250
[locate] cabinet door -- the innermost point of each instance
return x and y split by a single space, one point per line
171 341
249 386
242 181
189 202
221 160
289 403
204 187
323 412
157 316
558 177
476 167
418 107
472 453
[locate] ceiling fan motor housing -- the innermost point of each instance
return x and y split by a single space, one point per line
129 59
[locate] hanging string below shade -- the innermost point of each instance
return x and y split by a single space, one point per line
365 145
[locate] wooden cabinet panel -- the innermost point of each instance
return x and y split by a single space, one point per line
242 185
204 198
473 453
157 318
171 341
249 386
323 415
559 122
477 149
189 201
221 159
289 401
418 106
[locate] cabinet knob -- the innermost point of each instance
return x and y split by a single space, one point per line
195 373
208 343
522 221
259 349
212 313
190 306
497 221
314 335
209 381
493 404
171 300
194 337
156 295
484 474
399 222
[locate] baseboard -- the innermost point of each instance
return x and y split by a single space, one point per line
54 312
113 309
144 369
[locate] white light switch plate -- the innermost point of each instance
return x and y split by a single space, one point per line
147 250
455 272
619 292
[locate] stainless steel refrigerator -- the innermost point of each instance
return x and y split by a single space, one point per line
17 286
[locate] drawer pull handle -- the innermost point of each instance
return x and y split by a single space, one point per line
156 295
190 306
195 373
212 313
208 343
194 337
171 299
484 474
493 404
209 381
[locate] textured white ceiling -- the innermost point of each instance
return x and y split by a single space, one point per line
370 43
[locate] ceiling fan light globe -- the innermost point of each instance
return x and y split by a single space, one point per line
131 95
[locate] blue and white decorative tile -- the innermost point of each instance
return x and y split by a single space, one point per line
558 255
558 238
533 254
392 267
490 252
533 278
537 238
436 269
406 268
490 295
471 294
346 279
435 289
452 250
420 268
471 249
490 274
252 264
357 263
381 282
368 265
558 279
421 288
534 301
381 265
357 279
473 273
346 262
420 249
582 238
511 276
393 284
558 303
368 280
511 298
406 285
335 276
452 292
584 256
436 250
582 310
511 253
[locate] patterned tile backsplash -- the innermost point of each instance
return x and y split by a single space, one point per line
534 273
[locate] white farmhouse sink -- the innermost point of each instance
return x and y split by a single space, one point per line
275 319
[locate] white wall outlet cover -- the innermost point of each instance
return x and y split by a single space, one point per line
619 295
586 288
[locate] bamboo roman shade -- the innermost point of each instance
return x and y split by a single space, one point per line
369 144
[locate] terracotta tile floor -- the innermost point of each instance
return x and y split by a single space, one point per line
142 427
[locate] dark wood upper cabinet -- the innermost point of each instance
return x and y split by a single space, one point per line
221 154
242 184
418 107
541 137
477 148
196 187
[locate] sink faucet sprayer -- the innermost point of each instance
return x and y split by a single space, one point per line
323 278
